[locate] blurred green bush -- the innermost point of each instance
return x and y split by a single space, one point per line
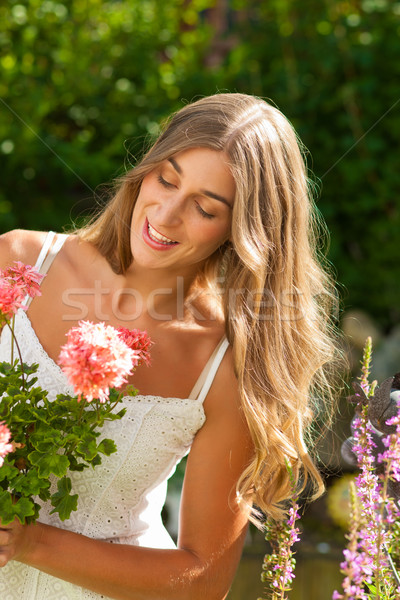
84 83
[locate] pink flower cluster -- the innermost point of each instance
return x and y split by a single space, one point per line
391 456
368 568
372 533
96 358
5 446
280 565
139 341
16 283
284 570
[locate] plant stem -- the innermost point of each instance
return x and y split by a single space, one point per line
118 400
385 499
379 541
366 364
392 565
14 340
82 408
106 412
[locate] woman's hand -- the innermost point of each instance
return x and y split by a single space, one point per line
16 540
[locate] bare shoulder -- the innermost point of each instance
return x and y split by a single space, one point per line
223 401
20 244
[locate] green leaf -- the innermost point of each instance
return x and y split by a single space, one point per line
30 484
8 472
44 495
11 509
45 439
87 446
24 508
13 390
116 416
80 430
35 516
7 513
5 368
28 369
22 412
74 465
107 447
49 463
63 501
95 461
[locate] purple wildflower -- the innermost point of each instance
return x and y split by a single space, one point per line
368 567
279 566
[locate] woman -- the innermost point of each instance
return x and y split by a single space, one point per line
208 240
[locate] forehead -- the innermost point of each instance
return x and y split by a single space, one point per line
206 168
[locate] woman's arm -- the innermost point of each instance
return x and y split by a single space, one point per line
211 526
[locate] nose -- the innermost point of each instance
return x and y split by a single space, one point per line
170 210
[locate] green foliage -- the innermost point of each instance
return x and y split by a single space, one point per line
22 508
63 501
50 438
334 69
82 84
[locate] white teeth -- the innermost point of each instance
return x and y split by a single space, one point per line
157 237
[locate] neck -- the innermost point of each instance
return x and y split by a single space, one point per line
161 294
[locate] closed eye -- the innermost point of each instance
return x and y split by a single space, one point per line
203 213
165 183
169 185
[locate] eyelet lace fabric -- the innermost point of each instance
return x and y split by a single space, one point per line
120 501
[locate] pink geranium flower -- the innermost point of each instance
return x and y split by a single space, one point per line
5 446
139 341
96 358
15 283
27 277
11 297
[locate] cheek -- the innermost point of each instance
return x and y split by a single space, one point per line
146 186
217 235
147 190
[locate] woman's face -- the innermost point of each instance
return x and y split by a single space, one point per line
184 210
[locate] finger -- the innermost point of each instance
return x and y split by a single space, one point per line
4 558
5 537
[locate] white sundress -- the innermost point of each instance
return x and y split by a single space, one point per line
120 500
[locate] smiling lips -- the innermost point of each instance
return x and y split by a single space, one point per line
155 239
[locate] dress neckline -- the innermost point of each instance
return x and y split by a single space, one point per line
61 373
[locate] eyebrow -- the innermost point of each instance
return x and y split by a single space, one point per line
178 169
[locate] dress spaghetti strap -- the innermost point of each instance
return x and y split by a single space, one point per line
58 244
47 254
203 384
44 250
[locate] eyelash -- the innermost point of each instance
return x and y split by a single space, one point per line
168 185
163 182
203 213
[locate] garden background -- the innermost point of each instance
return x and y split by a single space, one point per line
84 84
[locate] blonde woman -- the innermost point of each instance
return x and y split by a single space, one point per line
207 244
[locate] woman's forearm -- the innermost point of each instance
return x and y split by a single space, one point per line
119 571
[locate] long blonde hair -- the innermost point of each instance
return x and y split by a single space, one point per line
278 300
